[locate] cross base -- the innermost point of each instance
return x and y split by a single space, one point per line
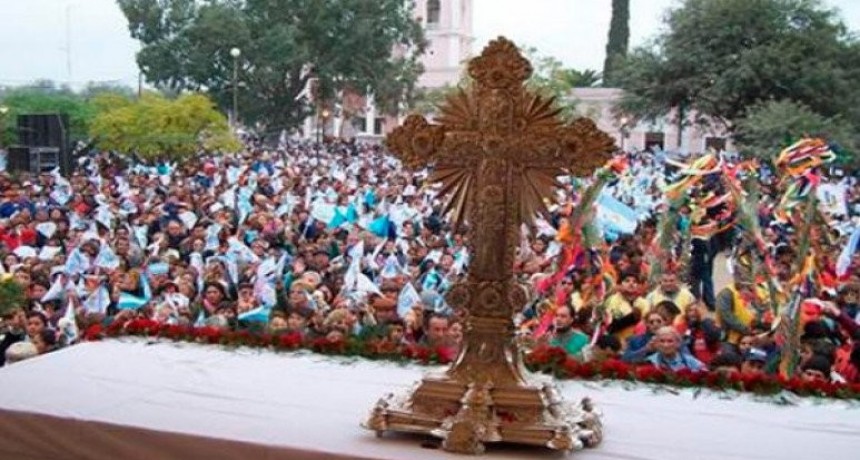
468 415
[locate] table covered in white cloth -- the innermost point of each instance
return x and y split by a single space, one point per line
132 399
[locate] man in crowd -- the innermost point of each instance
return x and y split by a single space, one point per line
566 334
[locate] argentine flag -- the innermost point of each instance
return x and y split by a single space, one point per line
257 315
130 302
615 216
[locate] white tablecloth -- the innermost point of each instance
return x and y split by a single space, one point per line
313 404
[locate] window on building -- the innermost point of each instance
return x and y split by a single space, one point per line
655 141
378 125
716 143
434 12
358 124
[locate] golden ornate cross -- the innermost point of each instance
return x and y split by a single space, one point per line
497 150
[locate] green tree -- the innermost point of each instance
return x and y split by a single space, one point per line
773 125
550 78
45 97
12 295
155 127
345 45
93 89
426 100
619 36
720 58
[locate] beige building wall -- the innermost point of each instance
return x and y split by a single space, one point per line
448 29
598 104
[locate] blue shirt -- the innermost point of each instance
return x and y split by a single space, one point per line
680 361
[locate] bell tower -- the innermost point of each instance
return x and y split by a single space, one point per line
448 29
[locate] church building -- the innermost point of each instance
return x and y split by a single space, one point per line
448 31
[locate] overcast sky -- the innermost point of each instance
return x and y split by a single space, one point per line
34 34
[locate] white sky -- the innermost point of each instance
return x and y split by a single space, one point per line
33 34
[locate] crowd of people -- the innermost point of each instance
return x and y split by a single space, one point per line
338 240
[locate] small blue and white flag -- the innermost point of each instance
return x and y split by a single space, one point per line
107 258
257 315
130 302
407 298
68 325
98 301
76 263
844 260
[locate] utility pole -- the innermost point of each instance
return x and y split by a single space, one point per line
68 43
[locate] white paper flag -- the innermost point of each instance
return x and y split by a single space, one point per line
47 229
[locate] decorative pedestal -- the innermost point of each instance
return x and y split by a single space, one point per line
468 416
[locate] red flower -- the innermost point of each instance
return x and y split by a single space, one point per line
616 369
650 373
417 352
542 358
380 347
174 332
821 387
242 337
751 382
582 370
682 376
719 380
93 332
142 326
445 355
796 385
324 345
290 340
207 334
115 329
265 339
697 378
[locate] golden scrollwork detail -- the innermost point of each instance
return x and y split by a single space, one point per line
415 141
500 66
489 299
493 195
459 296
518 296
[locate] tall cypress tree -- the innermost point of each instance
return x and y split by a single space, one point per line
619 35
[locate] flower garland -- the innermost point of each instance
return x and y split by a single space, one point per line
556 361
546 359
376 348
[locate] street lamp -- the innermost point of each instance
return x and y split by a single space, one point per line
235 52
624 121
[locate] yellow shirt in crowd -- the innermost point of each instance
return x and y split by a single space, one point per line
618 307
682 299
